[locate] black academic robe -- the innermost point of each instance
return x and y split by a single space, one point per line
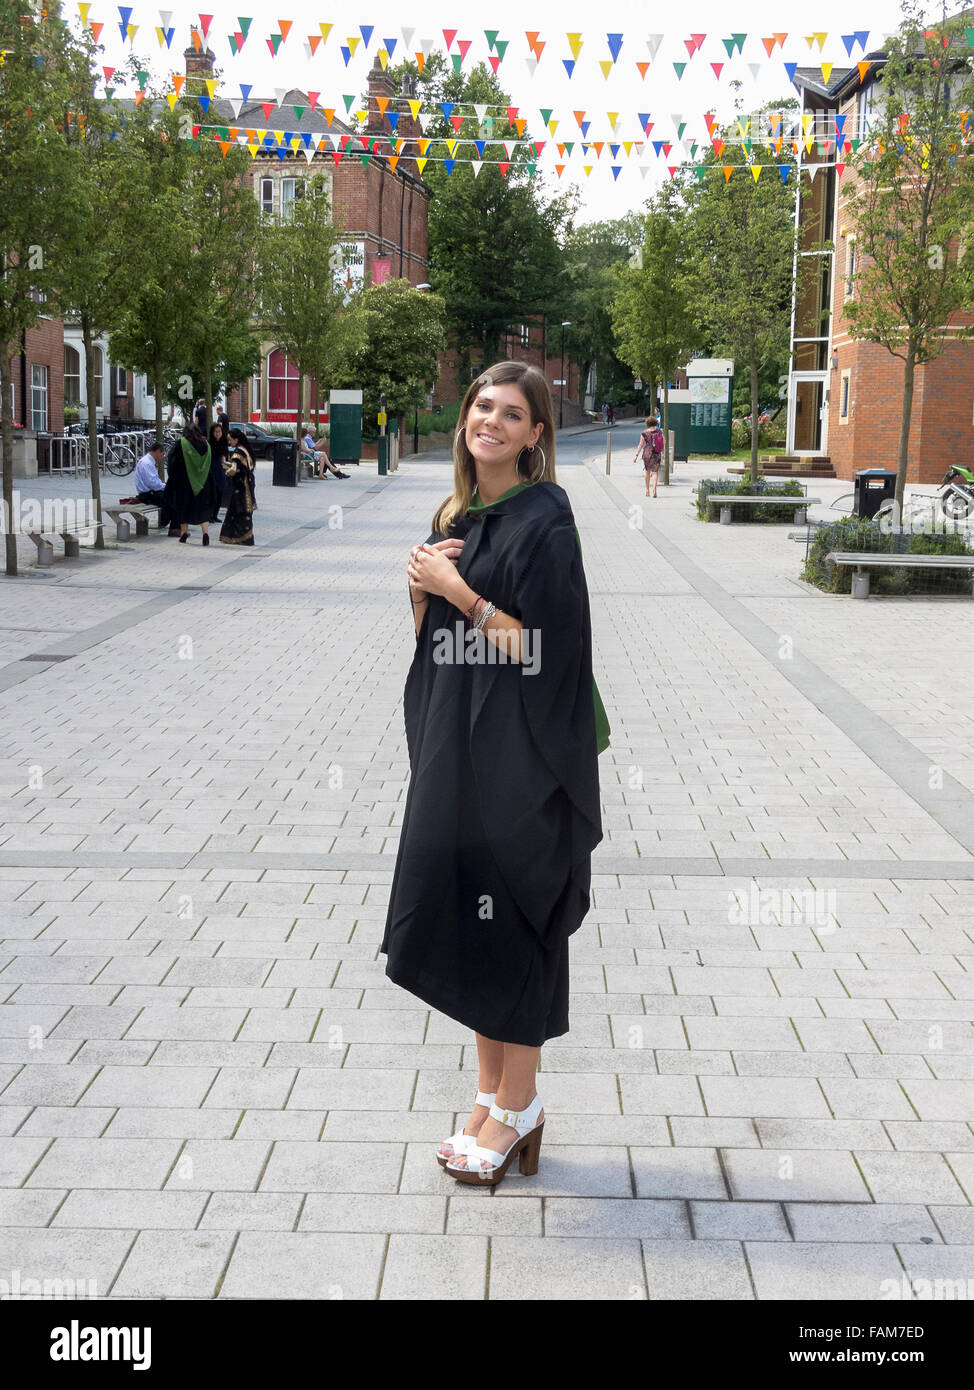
502 813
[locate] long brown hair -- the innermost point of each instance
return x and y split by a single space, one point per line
533 385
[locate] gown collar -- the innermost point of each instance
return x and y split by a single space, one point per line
476 506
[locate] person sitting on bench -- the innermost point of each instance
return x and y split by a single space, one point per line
148 484
317 451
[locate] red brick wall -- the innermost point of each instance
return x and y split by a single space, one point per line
45 347
942 424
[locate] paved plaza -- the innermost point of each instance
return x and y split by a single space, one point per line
208 1087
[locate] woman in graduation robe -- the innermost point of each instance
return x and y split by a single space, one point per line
502 812
190 492
238 524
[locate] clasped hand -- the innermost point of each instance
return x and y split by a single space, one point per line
432 568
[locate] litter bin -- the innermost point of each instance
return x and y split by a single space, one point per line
285 463
873 486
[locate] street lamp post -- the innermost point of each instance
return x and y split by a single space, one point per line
561 389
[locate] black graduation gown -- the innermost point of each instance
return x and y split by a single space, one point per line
185 505
502 812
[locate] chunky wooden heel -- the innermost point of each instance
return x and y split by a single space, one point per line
531 1152
487 1166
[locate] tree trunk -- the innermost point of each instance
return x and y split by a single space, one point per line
7 436
317 399
755 427
87 336
208 393
905 416
666 432
297 426
157 386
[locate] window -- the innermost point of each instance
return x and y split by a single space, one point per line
120 381
850 267
282 383
291 191
99 357
148 390
72 375
525 335
868 109
38 397
255 394
267 196
844 396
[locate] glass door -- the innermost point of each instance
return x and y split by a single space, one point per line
808 412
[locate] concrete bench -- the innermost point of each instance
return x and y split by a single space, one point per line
139 512
726 500
69 534
864 560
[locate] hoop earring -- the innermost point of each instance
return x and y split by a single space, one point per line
537 473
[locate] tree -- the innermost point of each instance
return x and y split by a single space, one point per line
41 63
95 252
216 279
148 337
655 325
300 300
402 330
912 200
494 241
742 240
593 255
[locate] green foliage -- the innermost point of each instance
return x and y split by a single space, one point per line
594 254
741 236
494 246
856 534
746 488
402 332
301 305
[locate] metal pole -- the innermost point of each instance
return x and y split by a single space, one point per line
608 453
561 388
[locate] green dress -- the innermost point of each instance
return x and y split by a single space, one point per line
602 728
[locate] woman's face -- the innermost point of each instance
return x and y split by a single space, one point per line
217 431
498 424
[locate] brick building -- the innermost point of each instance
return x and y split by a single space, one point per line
38 377
846 395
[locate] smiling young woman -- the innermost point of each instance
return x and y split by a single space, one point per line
503 809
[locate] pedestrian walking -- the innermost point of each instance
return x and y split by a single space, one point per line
238 525
190 494
650 446
503 726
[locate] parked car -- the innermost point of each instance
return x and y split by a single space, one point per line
260 444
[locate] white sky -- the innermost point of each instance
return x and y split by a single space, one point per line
661 94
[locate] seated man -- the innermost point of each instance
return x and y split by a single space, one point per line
319 453
148 484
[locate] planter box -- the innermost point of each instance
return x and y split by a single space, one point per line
25 454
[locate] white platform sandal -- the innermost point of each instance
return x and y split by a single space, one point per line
487 1166
460 1142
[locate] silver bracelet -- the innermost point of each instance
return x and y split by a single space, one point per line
487 612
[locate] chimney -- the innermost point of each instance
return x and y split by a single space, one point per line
380 85
199 60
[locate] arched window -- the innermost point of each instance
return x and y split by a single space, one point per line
72 375
282 383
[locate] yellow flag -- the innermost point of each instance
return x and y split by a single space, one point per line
325 31
172 98
414 108
606 64
383 57
421 164
826 72
575 44
353 43
756 171
613 117
452 147
83 11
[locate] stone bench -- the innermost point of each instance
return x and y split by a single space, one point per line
726 500
68 534
139 512
863 560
